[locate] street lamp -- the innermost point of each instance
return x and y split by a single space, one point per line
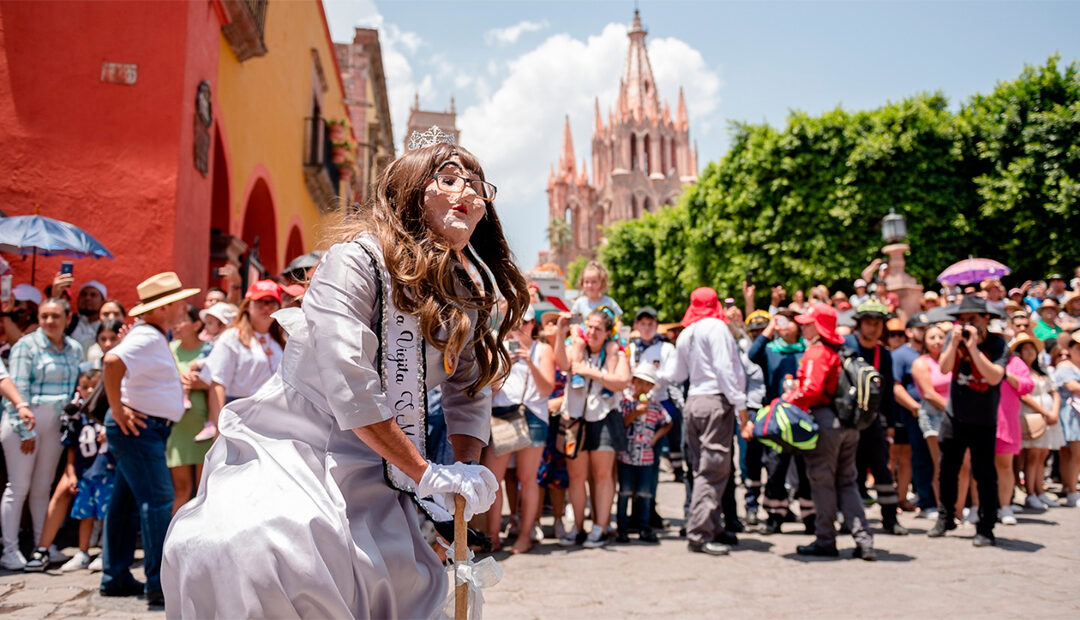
893 227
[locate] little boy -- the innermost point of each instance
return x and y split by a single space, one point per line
87 481
646 422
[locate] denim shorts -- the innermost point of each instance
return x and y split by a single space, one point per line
608 434
930 419
538 427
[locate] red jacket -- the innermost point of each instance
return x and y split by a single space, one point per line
818 374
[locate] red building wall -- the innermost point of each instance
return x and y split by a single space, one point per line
113 159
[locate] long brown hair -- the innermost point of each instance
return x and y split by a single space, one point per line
246 330
423 271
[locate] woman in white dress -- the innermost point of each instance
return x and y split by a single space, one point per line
308 502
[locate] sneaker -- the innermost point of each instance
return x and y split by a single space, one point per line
1034 502
1005 515
866 552
597 538
573 537
726 537
1071 500
971 515
207 433
79 562
56 555
133 587
577 381
649 536
622 538
710 548
1048 501
13 560
943 525
895 529
537 533
96 565
929 513
751 516
39 561
560 529
983 541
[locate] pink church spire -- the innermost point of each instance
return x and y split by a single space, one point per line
599 119
682 121
567 164
642 98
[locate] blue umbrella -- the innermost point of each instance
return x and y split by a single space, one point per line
37 234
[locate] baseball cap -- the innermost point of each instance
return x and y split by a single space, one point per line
860 282
294 290
27 292
96 285
918 320
823 316
648 311
263 289
530 315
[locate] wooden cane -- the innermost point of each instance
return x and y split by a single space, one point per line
461 555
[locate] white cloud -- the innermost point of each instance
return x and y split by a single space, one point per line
518 131
511 34
403 80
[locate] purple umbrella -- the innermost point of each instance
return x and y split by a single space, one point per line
972 271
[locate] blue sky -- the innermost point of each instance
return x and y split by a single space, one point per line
517 68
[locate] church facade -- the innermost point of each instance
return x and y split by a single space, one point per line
642 157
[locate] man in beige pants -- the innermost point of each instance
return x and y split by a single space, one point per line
707 355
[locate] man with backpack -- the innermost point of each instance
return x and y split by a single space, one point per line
830 466
873 452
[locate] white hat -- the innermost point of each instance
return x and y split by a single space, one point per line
27 292
530 314
224 312
860 282
99 286
646 372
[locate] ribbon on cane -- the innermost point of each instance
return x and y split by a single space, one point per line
477 575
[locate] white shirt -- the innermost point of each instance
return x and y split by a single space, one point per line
658 353
85 333
151 382
241 370
514 390
584 307
708 355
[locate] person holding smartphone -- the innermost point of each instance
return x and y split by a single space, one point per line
977 359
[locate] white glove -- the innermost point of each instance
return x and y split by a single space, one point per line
475 483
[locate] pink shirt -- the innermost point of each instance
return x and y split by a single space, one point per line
1009 437
940 380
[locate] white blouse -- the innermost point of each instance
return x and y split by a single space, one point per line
520 387
241 370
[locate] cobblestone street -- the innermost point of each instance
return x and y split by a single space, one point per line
1031 573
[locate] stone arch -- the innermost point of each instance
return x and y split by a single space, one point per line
260 221
295 245
646 206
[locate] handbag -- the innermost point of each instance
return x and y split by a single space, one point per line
1033 425
571 435
510 433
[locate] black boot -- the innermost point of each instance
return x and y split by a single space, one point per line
772 524
944 523
818 549
809 524
889 522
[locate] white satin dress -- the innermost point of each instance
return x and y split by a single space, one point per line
293 517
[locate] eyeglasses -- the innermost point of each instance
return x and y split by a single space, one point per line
896 334
456 183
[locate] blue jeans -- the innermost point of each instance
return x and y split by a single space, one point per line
143 496
637 482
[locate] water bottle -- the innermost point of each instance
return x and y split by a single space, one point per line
20 428
789 384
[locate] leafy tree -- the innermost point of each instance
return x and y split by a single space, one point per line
574 269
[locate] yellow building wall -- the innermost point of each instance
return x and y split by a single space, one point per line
263 103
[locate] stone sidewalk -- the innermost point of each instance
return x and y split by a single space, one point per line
1032 573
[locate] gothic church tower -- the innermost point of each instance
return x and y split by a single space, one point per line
641 159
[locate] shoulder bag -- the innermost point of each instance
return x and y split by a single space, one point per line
510 433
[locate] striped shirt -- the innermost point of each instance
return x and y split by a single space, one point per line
43 374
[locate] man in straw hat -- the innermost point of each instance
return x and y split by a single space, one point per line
142 384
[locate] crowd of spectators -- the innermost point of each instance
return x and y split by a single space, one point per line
108 413
978 419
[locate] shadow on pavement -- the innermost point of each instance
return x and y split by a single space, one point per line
1011 544
753 544
883 556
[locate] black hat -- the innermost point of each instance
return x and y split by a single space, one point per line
646 311
973 304
918 320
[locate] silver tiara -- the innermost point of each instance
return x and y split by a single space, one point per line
432 136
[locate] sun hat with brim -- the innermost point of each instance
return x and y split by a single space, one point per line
160 290
1025 337
646 372
263 289
1049 304
704 303
222 311
823 316
1071 298
972 304
1076 336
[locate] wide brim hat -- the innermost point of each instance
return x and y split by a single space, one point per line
160 290
222 311
871 309
973 304
646 372
1023 337
1049 304
1070 298
704 303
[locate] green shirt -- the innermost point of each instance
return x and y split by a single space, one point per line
1044 330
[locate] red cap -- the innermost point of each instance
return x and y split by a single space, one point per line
704 303
264 288
823 317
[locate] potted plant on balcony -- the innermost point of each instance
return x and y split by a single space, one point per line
339 129
340 151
